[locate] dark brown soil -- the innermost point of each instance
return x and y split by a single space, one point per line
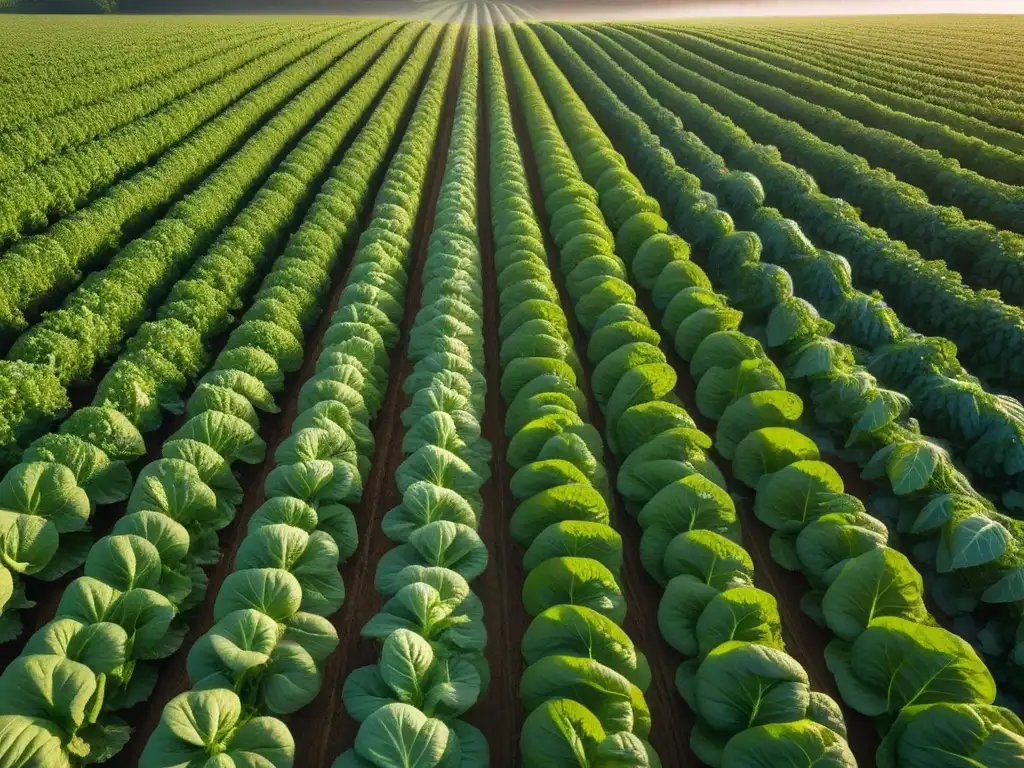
672 720
498 713
321 738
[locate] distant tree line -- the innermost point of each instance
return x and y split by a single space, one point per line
61 6
383 7
367 7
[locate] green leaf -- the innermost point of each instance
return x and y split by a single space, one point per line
897 663
560 732
639 385
963 734
910 466
1008 589
101 647
575 630
196 724
800 493
573 581
399 734
441 543
740 685
769 450
971 542
606 693
799 744
876 584
28 542
748 614
575 501
48 490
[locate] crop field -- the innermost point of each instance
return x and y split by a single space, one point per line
392 393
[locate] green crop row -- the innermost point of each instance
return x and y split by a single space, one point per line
987 331
889 657
264 655
985 430
728 630
159 362
882 136
909 209
972 552
130 607
56 67
583 687
898 89
431 667
39 139
94 204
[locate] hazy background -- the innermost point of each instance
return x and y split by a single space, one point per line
583 9
618 8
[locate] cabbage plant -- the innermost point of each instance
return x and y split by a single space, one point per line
266 650
430 631
691 543
584 685
211 727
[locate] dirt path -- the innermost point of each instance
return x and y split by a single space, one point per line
498 713
321 738
671 718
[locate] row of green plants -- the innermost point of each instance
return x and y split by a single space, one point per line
39 139
896 89
94 319
100 63
983 54
90 200
584 683
908 211
984 430
272 632
431 668
35 395
166 355
728 630
927 296
889 657
975 85
952 168
130 608
972 552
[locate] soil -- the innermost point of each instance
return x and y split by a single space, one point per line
498 713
